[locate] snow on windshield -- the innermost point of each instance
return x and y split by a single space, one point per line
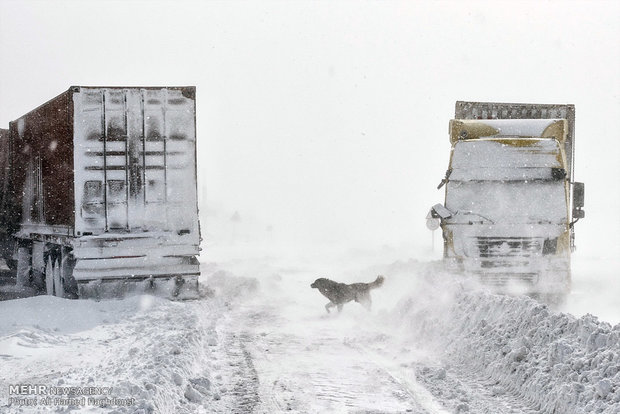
515 202
511 180
505 159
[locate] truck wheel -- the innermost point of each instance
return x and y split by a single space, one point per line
49 277
59 289
10 263
69 285
24 266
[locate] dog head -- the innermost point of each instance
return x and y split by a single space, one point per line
319 283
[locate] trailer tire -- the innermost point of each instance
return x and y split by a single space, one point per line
49 277
66 265
59 289
11 264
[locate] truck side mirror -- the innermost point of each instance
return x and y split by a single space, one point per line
578 195
432 222
439 211
578 200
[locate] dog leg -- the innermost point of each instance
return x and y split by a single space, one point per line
340 307
329 305
364 300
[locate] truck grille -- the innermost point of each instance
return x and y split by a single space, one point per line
498 247
501 279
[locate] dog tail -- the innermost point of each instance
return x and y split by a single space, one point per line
377 283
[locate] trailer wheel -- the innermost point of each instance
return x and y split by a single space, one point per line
49 277
59 289
66 265
24 272
10 263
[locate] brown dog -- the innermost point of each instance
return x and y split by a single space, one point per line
341 293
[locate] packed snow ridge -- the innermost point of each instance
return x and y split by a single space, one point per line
556 362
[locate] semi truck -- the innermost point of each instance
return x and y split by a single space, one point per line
510 201
100 193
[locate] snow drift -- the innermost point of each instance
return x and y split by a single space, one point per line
262 341
556 362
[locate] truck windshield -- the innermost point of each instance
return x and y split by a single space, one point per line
508 180
509 202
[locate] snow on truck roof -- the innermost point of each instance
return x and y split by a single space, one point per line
187 91
461 129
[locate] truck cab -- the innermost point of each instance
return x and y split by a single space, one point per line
507 217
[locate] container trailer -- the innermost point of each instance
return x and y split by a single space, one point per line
100 192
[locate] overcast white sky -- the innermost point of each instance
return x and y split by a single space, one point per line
329 120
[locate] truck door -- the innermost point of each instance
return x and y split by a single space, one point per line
135 153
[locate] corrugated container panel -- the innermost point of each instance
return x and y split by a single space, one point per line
5 165
135 167
4 162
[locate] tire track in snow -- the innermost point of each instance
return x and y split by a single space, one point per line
417 391
460 389
235 378
277 354
245 388
291 359
314 370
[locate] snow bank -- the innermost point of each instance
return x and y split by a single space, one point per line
63 316
556 362
149 350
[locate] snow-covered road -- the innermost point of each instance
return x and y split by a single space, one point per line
261 342
304 360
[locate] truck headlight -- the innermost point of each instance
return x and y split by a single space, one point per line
550 246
